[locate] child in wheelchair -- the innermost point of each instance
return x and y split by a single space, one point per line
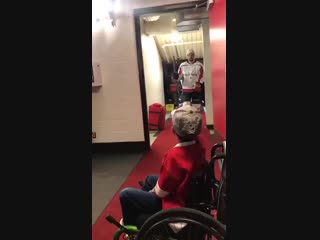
170 189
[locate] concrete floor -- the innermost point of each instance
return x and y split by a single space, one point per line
109 172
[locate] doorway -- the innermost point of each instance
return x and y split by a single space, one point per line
163 36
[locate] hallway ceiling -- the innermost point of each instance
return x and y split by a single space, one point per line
171 43
175 46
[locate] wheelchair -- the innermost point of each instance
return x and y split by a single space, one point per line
203 219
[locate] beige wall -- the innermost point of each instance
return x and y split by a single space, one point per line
153 71
116 106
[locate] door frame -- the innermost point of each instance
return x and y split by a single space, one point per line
137 13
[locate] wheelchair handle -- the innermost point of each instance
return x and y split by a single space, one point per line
218 156
209 206
216 147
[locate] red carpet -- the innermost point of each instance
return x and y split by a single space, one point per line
150 163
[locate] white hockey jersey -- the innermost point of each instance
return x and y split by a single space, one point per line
192 73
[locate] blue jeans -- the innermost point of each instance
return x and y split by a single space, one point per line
136 202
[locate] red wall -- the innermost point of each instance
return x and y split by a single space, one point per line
218 55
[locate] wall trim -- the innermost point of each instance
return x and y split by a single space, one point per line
119 147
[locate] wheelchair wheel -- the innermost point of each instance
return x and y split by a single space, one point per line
181 224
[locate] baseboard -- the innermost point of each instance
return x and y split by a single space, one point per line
119 147
210 126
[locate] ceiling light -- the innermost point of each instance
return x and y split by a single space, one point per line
151 18
176 37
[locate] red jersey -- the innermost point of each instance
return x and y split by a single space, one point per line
178 166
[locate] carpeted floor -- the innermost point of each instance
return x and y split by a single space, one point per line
150 163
